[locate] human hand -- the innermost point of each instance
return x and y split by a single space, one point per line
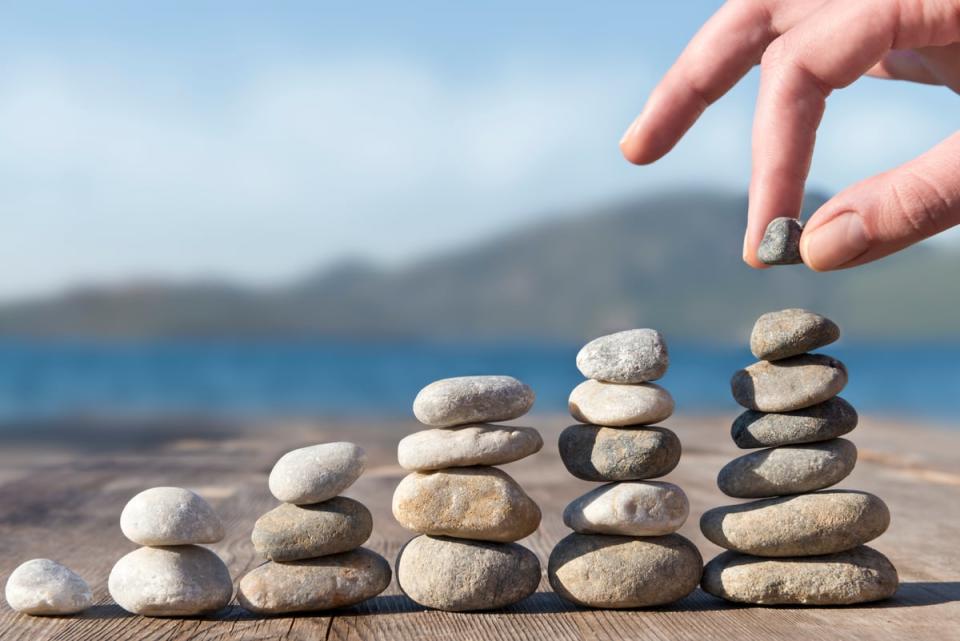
806 49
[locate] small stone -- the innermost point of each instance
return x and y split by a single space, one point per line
292 532
789 384
45 587
170 516
335 581
821 422
791 332
781 242
601 571
472 399
631 508
615 405
789 469
804 525
854 576
181 580
467 445
633 356
316 473
457 575
595 453
482 503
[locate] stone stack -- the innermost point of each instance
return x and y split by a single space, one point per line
800 543
312 541
468 513
624 551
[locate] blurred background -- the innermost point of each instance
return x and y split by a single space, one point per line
227 211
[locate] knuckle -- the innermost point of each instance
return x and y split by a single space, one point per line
920 204
776 55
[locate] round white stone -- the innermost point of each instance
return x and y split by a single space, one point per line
615 405
632 508
45 587
170 516
316 473
467 445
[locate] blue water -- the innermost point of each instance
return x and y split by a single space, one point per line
335 379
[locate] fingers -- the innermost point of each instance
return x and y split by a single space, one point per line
886 213
904 65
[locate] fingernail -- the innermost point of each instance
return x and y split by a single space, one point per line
835 243
631 128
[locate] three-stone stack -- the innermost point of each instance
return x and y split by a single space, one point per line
468 513
624 551
313 540
800 543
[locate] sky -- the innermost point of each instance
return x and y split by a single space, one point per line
260 141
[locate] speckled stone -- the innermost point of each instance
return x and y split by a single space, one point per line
595 453
291 532
820 422
602 571
791 332
854 576
630 508
632 356
467 445
316 473
803 525
461 576
170 516
45 587
789 384
781 242
614 405
472 399
789 469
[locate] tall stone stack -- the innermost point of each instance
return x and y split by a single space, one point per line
799 543
624 551
468 513
312 541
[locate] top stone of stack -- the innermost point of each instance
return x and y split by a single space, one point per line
629 357
791 332
465 400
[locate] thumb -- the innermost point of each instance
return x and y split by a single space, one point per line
884 214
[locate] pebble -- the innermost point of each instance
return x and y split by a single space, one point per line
45 587
820 422
460 576
804 525
329 582
602 571
790 469
855 576
781 242
293 532
595 453
614 405
170 581
633 356
791 332
472 399
316 473
633 508
467 445
482 503
170 516
789 384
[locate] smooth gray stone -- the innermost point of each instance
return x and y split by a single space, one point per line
791 332
859 575
613 404
316 473
44 587
821 422
467 445
292 532
596 453
630 508
781 242
170 516
632 356
789 384
472 399
789 469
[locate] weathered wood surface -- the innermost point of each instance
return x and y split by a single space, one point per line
62 499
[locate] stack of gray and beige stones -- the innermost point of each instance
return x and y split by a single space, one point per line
624 551
796 542
468 514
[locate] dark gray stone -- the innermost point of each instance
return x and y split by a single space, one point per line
292 532
789 384
821 422
595 453
632 356
789 469
791 332
781 242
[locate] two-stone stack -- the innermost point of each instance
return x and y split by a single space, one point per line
624 551
469 514
312 541
800 543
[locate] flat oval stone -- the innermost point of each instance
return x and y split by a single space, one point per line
467 445
631 508
789 384
291 532
316 473
780 244
181 580
789 469
482 503
791 332
472 399
620 405
602 571
325 583
45 587
170 516
458 575
633 356
595 453
820 422
804 525
854 576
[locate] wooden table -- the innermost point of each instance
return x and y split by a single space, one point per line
61 498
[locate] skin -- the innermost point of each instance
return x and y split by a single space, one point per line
806 49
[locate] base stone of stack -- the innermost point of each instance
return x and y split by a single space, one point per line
595 453
790 384
467 445
789 469
820 422
292 532
629 508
